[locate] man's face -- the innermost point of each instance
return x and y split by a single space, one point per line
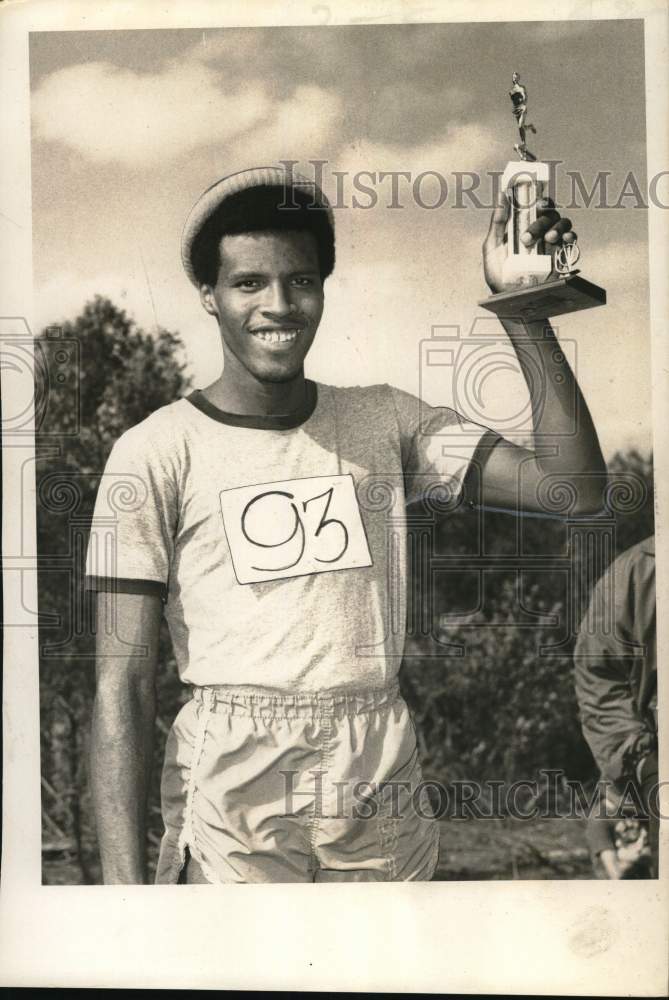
268 299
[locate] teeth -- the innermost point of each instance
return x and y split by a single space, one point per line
276 336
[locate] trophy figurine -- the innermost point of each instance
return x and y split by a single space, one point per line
543 284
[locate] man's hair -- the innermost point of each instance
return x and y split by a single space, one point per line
267 208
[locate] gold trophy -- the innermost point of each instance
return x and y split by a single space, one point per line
544 285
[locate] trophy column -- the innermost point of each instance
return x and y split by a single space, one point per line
523 182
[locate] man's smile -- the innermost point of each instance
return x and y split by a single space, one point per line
277 335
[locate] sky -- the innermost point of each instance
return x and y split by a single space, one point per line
128 127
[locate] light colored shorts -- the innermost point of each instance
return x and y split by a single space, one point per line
264 787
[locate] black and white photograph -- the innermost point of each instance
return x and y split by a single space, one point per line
332 445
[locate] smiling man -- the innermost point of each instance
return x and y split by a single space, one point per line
258 523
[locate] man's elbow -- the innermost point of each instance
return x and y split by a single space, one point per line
589 505
569 493
589 495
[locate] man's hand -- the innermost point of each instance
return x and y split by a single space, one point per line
549 226
565 441
610 863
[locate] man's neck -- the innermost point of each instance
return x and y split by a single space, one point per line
240 392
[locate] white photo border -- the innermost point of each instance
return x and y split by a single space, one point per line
570 938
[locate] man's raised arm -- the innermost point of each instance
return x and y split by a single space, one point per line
122 732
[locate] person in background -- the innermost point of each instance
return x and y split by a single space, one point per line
616 679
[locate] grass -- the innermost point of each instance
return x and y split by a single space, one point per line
487 849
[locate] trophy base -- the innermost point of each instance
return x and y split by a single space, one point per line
550 298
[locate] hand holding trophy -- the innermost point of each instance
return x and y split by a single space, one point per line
530 252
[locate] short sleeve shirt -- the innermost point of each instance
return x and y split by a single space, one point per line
278 544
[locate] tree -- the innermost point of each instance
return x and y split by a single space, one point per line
122 375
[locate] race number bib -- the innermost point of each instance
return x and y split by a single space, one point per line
294 528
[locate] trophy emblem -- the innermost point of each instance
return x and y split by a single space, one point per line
541 284
566 259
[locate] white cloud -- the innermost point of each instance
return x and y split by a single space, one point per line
220 94
468 147
307 125
115 115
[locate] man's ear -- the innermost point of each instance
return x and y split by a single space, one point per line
207 299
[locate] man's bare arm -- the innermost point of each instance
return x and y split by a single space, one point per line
122 733
566 450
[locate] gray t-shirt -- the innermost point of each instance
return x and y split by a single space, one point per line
278 544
